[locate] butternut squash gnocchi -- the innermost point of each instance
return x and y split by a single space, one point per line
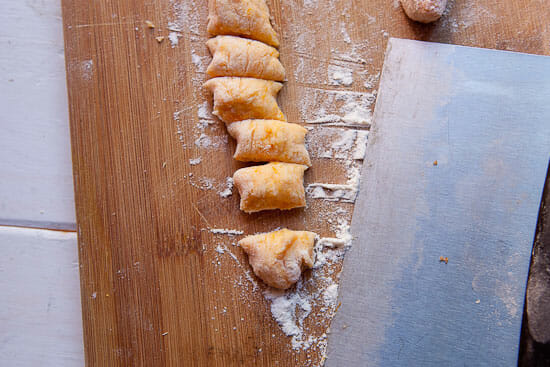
269 140
248 18
279 257
273 185
235 56
237 99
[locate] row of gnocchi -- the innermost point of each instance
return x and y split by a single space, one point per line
245 74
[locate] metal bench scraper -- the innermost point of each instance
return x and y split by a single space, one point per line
445 219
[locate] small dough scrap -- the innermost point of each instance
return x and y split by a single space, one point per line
268 141
271 186
248 18
237 99
424 11
279 257
235 56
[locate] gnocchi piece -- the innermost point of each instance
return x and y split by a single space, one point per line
248 18
279 257
269 140
273 185
235 56
424 11
237 99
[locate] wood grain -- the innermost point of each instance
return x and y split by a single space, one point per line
144 245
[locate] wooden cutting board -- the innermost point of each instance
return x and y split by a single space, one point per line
154 290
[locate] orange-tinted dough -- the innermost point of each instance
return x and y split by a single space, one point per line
248 18
279 257
269 140
424 11
235 56
271 186
237 99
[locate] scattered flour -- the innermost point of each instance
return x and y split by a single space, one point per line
290 310
206 183
338 192
228 191
330 295
310 3
187 16
87 69
354 108
229 232
360 146
174 27
203 141
345 141
197 61
463 16
345 35
345 144
223 249
356 114
204 112
207 141
203 183
371 81
329 250
338 75
174 38
195 161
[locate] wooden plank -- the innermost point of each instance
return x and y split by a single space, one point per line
142 221
40 303
36 186
477 207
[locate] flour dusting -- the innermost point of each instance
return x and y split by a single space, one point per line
353 108
230 232
174 38
228 189
338 192
338 75
329 250
195 161
284 309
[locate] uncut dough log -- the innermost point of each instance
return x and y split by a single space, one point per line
237 99
248 18
269 140
279 257
424 11
271 186
236 56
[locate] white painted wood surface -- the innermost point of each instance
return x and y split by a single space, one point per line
36 185
40 316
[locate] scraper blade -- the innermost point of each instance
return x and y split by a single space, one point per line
446 215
